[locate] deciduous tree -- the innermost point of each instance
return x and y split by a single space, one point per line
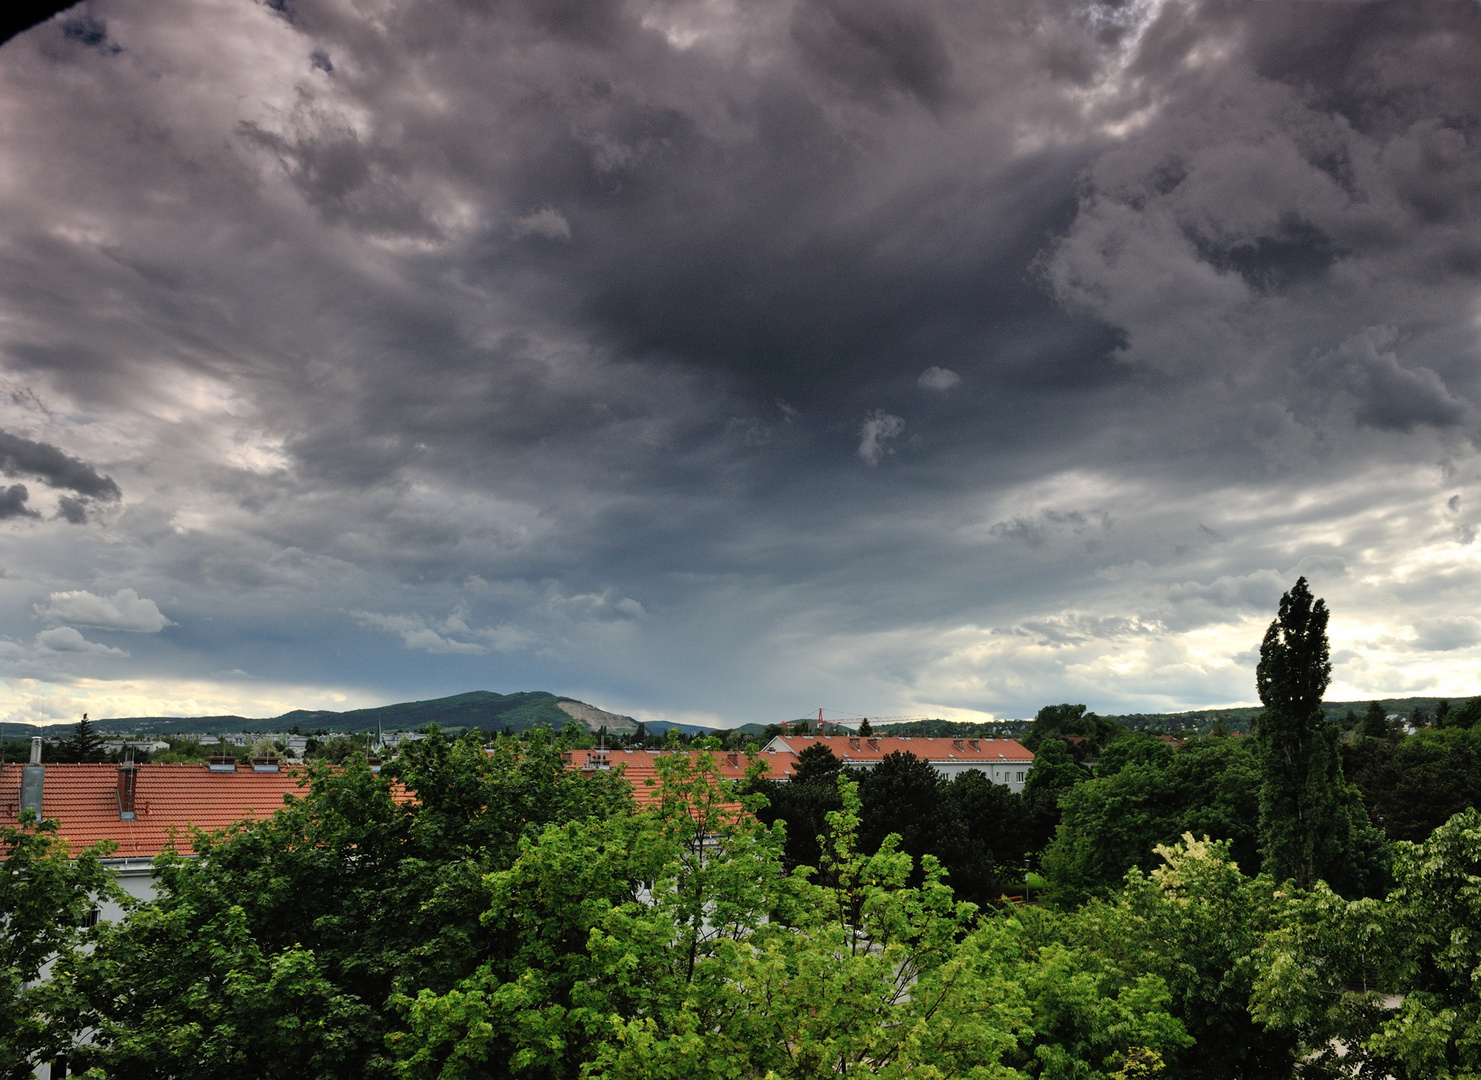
45 898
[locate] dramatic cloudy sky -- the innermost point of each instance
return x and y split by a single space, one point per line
724 359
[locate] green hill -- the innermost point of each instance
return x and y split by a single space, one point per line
481 709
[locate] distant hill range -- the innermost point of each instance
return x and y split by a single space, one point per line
1237 719
479 709
487 711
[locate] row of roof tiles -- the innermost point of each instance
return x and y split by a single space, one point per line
168 801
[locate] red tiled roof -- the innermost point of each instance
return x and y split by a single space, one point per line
856 750
641 767
84 801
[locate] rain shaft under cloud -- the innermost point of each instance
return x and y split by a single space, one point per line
721 360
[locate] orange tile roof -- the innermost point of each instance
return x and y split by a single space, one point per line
640 767
856 750
84 801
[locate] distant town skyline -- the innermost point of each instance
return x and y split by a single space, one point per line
705 361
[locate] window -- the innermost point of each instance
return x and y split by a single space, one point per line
1019 776
89 918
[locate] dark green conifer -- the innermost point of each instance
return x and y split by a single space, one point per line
84 745
1375 722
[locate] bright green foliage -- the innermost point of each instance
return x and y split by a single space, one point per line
727 969
44 896
1195 922
1394 981
1209 787
1312 823
622 916
282 949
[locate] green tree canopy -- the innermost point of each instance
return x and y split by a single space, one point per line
1385 988
1195 922
1412 787
728 970
1074 721
45 898
279 951
1114 823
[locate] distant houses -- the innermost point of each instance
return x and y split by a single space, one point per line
1005 761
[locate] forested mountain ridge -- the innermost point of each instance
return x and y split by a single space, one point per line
482 710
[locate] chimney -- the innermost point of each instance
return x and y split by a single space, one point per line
33 780
128 780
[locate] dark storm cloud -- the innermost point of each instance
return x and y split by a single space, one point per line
54 468
13 502
619 337
72 510
874 47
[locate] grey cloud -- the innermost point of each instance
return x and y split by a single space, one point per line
938 378
872 46
1446 633
547 222
1390 396
89 31
13 502
1030 532
1034 531
1076 629
1259 591
344 176
64 639
54 468
125 610
349 360
878 434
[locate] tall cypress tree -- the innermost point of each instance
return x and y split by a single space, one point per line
1312 822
